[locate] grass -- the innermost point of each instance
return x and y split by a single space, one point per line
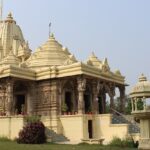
12 145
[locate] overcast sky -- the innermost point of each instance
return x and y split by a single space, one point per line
116 29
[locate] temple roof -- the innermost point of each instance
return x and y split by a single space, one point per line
49 54
10 59
142 88
94 61
50 60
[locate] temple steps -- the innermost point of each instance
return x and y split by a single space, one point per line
122 119
52 136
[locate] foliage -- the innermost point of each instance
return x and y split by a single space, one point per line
128 107
107 107
31 119
140 105
121 142
64 107
4 139
32 133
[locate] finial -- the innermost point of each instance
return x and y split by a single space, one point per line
93 54
105 61
10 18
142 78
52 36
10 15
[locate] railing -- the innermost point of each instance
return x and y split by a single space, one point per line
125 117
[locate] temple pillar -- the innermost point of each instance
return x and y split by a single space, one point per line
9 91
122 98
60 97
111 92
111 103
31 99
81 88
104 102
110 88
96 88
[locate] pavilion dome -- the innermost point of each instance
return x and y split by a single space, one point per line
11 36
142 88
50 53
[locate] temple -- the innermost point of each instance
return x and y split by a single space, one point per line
51 82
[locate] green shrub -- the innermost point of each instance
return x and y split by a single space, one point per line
83 143
4 139
121 142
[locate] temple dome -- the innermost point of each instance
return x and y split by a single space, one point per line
50 53
142 88
11 36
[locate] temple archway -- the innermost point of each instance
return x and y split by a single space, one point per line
20 98
68 95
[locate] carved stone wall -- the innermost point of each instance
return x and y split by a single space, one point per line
2 96
46 97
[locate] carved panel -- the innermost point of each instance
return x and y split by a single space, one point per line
81 84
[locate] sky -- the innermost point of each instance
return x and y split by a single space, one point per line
116 29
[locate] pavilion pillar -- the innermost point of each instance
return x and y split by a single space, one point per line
144 103
81 88
135 103
122 98
132 104
9 98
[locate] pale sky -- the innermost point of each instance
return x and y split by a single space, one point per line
116 29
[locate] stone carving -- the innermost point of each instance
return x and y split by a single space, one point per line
45 97
105 68
81 84
110 89
70 60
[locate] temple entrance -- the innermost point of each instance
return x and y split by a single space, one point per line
90 129
20 104
87 103
68 101
20 97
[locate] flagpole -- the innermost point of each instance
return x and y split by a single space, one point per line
49 29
